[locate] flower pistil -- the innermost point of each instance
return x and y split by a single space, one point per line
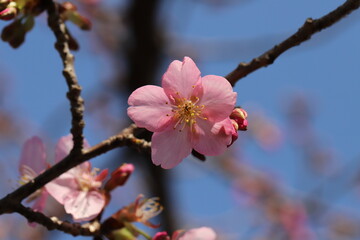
186 111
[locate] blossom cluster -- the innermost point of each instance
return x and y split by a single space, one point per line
79 190
189 113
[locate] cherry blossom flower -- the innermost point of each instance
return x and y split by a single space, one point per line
79 188
32 163
188 112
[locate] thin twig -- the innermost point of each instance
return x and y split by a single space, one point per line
73 94
304 33
52 223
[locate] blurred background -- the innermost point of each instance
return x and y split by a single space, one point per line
293 175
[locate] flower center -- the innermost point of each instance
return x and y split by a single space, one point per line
186 111
87 180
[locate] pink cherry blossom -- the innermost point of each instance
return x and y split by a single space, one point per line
188 112
79 188
32 163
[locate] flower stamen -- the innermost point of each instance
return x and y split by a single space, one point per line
186 111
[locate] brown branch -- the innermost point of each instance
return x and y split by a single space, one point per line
304 33
73 94
126 138
75 229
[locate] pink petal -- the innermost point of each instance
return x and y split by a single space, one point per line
212 139
218 98
170 147
84 167
33 155
203 233
64 146
180 78
149 107
62 187
40 203
84 206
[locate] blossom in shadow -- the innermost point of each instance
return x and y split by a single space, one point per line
79 188
32 163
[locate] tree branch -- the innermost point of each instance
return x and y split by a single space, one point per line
126 138
75 229
73 94
304 33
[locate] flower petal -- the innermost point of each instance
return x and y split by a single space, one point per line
40 202
84 206
212 139
33 155
218 98
62 187
170 147
150 108
180 78
64 146
203 233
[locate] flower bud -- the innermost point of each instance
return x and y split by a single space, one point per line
239 115
69 11
119 176
234 134
10 12
123 234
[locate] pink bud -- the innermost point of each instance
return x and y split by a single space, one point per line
234 134
9 13
119 176
239 115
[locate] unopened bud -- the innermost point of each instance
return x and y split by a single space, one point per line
123 234
68 11
10 12
119 176
239 115
234 134
79 20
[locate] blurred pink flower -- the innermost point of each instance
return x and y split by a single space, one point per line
203 233
79 188
32 163
188 112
